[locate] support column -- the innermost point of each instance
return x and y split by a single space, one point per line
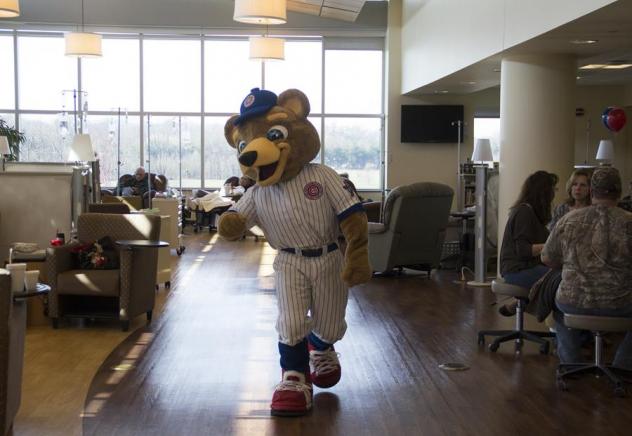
537 110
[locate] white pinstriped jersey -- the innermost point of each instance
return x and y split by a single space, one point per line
301 212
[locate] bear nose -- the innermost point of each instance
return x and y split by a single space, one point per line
248 158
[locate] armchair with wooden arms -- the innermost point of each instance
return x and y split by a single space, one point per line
125 292
413 226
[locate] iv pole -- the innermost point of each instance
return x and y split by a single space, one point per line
148 161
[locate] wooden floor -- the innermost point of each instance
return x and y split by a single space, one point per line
208 364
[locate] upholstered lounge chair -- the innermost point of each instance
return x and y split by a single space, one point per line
126 292
12 328
413 227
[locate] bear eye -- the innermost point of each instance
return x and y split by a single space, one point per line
276 132
241 145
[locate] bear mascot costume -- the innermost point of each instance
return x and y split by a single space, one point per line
301 208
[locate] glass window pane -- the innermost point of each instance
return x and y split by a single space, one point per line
44 140
172 71
220 159
104 134
353 81
302 69
7 78
44 72
352 145
113 80
228 75
165 134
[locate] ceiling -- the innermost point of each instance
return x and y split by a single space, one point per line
611 26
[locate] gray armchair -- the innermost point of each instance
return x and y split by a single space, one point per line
12 330
413 227
125 292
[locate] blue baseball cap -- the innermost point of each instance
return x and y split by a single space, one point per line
259 101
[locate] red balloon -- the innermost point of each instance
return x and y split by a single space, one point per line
615 119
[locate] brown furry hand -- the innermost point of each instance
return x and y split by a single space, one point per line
357 269
231 226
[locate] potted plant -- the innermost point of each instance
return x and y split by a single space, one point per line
14 136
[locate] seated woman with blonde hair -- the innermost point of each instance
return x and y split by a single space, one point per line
578 190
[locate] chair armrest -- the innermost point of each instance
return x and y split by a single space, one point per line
58 260
375 228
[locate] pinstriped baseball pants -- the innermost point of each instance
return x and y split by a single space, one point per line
311 297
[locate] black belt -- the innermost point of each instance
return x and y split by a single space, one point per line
311 252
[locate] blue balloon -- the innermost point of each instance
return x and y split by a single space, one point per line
604 117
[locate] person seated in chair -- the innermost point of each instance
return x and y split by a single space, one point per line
136 186
526 233
593 248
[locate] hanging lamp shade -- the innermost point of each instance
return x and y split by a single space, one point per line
81 149
9 8
83 44
260 11
265 49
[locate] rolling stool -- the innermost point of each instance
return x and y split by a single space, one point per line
598 325
500 287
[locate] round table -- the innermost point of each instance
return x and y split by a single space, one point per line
141 243
40 290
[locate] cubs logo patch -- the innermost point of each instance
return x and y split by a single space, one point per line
248 101
313 190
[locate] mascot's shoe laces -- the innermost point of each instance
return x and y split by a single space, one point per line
324 366
293 396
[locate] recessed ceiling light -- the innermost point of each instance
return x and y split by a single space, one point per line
441 91
469 83
584 41
496 70
592 67
578 77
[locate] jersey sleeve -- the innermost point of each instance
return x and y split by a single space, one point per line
246 207
340 194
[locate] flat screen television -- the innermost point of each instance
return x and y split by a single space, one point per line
431 123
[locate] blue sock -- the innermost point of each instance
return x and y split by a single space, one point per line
294 357
318 343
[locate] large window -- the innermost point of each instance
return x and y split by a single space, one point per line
302 69
188 87
7 94
174 147
113 81
44 72
228 75
104 131
172 75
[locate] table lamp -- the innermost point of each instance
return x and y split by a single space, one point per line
5 150
81 149
605 152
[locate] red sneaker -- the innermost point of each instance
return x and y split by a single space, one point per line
324 366
293 396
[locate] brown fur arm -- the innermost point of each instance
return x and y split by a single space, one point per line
231 226
357 268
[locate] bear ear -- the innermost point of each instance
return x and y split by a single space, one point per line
229 130
295 101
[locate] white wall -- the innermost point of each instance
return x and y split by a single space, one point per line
440 37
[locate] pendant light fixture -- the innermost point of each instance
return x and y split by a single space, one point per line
83 44
9 8
265 48
260 11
